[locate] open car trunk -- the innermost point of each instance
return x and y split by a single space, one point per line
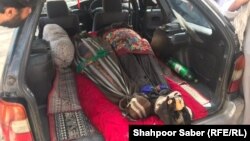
205 49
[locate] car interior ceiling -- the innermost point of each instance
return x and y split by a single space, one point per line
204 59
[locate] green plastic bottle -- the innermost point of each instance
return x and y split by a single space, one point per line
180 69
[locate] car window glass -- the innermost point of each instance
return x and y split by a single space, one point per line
189 12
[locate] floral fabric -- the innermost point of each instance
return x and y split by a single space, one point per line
125 40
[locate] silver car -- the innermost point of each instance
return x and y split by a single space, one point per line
194 32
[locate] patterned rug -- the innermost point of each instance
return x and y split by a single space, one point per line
70 126
66 118
63 96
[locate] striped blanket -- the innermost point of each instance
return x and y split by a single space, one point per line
96 59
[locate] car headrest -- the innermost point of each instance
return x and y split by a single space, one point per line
57 9
112 5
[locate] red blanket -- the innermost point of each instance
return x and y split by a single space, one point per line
108 119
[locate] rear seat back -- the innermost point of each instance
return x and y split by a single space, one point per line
58 13
112 13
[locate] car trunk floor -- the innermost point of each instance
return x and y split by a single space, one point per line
198 90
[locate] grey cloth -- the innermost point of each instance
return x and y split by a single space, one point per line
62 48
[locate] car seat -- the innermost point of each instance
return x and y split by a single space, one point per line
40 70
112 13
58 13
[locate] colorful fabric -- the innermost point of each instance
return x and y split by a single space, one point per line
107 117
101 53
62 97
70 126
103 71
137 51
145 71
125 40
66 118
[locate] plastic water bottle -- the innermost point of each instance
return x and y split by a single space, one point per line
180 69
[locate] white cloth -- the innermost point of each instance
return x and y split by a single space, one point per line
223 6
240 22
238 18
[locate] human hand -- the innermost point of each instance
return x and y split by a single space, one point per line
237 4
